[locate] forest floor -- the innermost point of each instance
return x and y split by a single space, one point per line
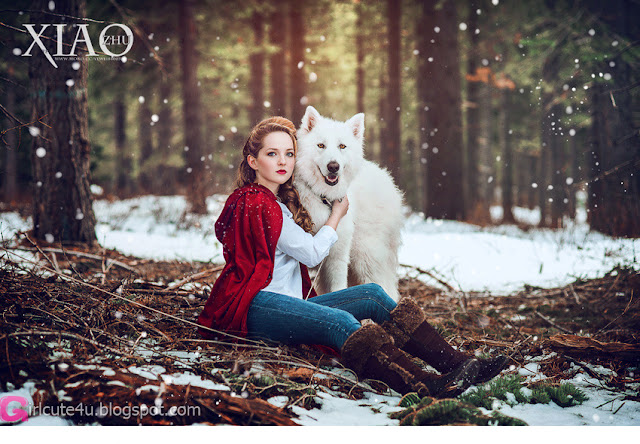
91 328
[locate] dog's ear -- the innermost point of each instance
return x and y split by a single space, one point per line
356 123
310 119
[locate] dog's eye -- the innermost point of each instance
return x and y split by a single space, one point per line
342 146
321 145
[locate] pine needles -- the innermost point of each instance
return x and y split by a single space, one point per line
431 412
466 409
510 390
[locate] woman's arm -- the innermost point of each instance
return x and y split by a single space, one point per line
338 211
305 247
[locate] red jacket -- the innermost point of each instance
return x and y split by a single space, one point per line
248 229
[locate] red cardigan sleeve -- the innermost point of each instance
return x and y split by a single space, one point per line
248 228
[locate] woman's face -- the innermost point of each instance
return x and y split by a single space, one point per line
275 162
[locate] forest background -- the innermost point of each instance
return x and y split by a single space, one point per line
468 103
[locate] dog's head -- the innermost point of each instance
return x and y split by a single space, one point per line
330 153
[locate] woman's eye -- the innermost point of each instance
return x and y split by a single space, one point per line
290 154
342 146
321 145
271 154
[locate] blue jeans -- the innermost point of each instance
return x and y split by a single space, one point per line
328 319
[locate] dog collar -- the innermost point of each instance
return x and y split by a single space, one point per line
326 202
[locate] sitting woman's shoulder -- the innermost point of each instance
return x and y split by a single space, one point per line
253 198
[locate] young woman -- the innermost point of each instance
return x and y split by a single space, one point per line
264 291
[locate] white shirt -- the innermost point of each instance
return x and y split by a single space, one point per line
294 246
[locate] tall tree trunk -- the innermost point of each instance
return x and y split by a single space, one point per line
360 78
558 171
522 178
62 204
414 192
472 191
165 180
614 188
296 70
507 157
445 153
123 156
10 184
145 142
277 63
382 119
596 215
424 101
574 154
486 160
256 69
391 153
191 110
545 166
534 165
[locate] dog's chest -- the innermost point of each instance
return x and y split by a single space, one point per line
318 211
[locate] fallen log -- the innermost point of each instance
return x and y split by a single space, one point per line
581 346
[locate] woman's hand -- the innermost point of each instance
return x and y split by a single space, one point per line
338 210
340 207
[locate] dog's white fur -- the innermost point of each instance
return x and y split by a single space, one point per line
369 235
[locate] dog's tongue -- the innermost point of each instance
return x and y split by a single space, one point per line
331 179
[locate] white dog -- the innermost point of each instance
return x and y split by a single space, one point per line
330 164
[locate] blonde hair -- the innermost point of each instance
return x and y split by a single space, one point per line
287 192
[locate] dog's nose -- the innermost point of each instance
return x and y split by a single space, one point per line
333 166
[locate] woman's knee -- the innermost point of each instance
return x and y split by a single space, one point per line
347 322
373 288
377 292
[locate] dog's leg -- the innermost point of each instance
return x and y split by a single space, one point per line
334 272
377 267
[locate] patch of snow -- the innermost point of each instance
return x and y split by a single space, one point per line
339 411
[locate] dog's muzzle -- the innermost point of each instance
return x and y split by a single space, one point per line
332 177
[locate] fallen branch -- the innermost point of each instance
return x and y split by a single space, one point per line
553 324
579 345
431 275
193 277
63 334
77 253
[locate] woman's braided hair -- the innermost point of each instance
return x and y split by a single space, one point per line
246 175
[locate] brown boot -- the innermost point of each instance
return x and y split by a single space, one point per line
413 334
370 352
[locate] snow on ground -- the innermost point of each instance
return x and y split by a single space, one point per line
498 259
